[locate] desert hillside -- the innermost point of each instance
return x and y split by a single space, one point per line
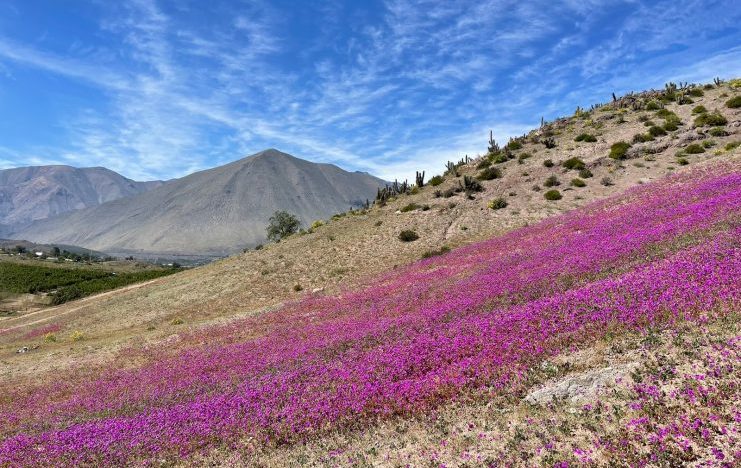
598 248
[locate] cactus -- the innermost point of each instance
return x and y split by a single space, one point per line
451 168
549 142
420 179
717 81
493 146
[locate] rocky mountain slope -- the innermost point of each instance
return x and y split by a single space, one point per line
211 212
32 193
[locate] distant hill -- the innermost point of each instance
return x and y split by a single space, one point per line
215 211
28 194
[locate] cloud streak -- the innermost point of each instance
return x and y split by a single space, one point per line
400 87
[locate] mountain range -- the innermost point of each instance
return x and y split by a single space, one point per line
211 212
28 194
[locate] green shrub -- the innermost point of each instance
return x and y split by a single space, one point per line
552 181
434 253
410 207
682 161
699 110
498 203
523 156
671 125
548 163
552 195
619 150
574 164
489 173
694 148
653 105
50 338
718 132
708 144
578 183
483 164
696 92
586 137
437 180
408 235
77 336
713 119
297 287
656 131
585 173
642 138
734 102
648 123
177 321
514 145
733 145
317 224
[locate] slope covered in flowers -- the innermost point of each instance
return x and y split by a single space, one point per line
466 325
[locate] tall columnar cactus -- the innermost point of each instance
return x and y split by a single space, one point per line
420 179
493 146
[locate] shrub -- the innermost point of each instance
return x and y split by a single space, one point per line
586 137
682 161
656 131
548 163
536 188
648 123
671 125
708 144
434 253
574 164
578 183
641 138
282 224
694 148
733 145
585 173
177 321
410 207
297 287
514 145
699 110
714 119
734 102
619 150
317 224
549 142
523 157
408 235
551 181
378 223
696 92
258 247
653 105
552 195
489 173
606 181
718 132
498 203
483 164
437 180
77 336
50 337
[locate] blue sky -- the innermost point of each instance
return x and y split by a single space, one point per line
161 88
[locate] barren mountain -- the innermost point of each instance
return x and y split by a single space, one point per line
211 212
31 193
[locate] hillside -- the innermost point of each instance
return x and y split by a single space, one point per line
341 347
212 212
31 193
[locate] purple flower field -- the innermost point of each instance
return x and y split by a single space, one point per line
468 324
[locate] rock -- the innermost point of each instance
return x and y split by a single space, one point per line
317 290
689 137
580 388
22 350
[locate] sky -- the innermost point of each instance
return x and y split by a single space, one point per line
157 89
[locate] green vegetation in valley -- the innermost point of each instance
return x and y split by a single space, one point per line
66 284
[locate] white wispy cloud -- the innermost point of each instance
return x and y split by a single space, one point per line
419 85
